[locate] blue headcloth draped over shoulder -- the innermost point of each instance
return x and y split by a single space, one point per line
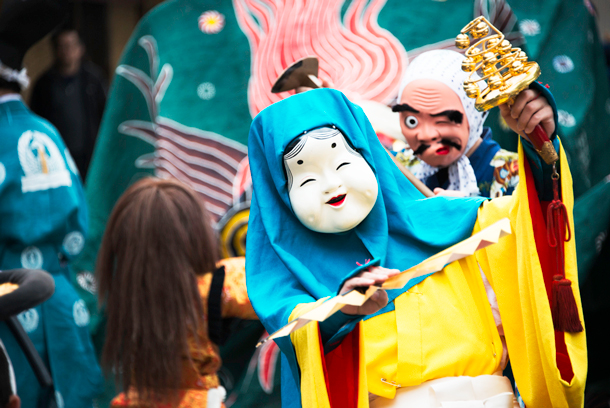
287 263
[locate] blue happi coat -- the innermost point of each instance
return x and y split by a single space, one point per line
43 219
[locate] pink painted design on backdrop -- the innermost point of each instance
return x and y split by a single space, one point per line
359 57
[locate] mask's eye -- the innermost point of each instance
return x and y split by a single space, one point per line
343 164
411 122
306 181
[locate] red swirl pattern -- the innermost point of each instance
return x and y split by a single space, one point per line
358 56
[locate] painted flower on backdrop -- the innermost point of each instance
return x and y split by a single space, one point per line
529 27
211 22
206 91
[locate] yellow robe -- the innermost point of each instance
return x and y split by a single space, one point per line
444 326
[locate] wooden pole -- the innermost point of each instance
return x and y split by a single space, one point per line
414 180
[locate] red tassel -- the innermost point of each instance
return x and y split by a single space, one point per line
564 310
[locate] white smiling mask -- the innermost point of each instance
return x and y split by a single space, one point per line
331 187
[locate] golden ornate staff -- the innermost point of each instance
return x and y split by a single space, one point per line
504 72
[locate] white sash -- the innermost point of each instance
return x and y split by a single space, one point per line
484 391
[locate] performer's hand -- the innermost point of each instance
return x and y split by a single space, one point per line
530 109
375 275
325 84
448 193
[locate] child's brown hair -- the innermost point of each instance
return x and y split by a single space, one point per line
157 241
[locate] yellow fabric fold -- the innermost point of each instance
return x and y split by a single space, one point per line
442 327
306 342
513 269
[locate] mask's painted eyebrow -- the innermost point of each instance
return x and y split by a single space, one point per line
403 107
453 115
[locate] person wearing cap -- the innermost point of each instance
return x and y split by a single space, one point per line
44 217
450 150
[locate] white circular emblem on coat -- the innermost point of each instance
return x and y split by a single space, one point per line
70 161
2 173
31 258
29 320
59 400
87 281
43 165
80 313
74 243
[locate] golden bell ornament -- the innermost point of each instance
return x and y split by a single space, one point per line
489 70
495 82
516 67
475 54
471 89
480 30
489 58
504 69
462 41
504 47
492 43
468 65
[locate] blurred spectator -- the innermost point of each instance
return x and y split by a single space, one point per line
43 215
71 95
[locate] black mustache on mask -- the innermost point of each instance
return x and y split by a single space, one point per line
444 141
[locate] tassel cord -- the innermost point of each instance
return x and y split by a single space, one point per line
564 308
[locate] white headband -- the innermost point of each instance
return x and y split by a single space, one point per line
12 75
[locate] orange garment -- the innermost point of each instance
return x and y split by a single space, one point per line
199 374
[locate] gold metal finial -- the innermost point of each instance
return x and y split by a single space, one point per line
503 71
462 41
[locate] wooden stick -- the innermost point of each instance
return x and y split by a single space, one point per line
414 180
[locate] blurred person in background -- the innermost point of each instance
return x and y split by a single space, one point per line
71 95
43 215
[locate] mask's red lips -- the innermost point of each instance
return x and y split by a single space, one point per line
336 201
442 151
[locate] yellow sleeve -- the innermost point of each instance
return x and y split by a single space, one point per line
514 270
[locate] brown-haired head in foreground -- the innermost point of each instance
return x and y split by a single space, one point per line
157 240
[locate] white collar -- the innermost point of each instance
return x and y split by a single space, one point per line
10 97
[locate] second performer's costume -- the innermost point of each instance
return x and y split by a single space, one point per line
438 326
483 169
